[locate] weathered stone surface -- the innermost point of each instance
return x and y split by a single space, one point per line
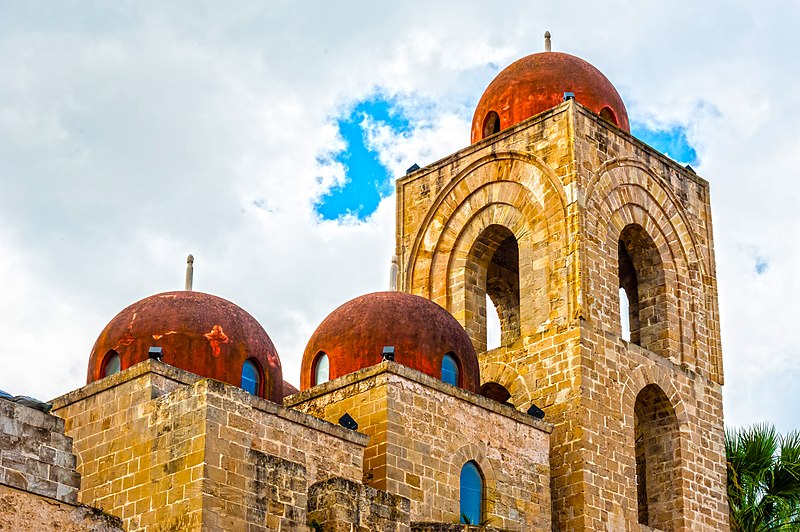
165 451
423 431
338 504
22 511
34 453
570 191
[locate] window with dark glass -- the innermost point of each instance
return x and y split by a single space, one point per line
471 489
491 124
321 369
111 364
251 377
450 369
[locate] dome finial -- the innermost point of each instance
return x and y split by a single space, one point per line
189 272
393 272
547 41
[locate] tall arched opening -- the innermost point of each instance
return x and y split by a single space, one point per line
642 282
492 270
657 448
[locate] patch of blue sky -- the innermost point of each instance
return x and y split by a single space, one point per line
761 266
367 181
671 142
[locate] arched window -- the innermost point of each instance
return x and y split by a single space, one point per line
491 124
450 369
608 115
471 490
111 364
321 369
493 271
657 438
643 285
251 377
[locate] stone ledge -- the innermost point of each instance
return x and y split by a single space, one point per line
655 358
393 368
187 378
23 511
289 414
142 368
559 109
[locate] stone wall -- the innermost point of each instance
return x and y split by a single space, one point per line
24 511
424 431
35 455
164 450
339 505
569 187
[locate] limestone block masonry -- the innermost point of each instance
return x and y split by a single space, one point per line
557 220
163 449
423 431
35 455
38 481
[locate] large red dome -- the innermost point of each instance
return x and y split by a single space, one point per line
198 332
421 331
537 83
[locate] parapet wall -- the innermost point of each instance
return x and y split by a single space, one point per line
423 431
35 455
165 450
23 511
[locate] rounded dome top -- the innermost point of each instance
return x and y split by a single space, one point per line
197 332
422 333
536 83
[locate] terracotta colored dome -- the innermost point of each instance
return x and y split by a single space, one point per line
198 332
422 333
537 83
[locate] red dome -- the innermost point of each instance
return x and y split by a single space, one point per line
198 332
537 83
422 333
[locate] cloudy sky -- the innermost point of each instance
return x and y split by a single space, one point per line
264 138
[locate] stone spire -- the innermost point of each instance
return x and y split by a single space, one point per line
547 41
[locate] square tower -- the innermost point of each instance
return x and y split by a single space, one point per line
560 219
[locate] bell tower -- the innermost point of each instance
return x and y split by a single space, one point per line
562 219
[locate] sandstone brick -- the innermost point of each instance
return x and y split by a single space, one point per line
569 198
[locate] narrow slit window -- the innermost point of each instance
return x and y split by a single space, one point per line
608 115
471 484
450 369
321 369
112 363
251 377
491 124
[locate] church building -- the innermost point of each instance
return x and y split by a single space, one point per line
601 410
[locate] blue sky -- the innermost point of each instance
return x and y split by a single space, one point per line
367 180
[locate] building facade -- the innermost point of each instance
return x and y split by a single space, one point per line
596 252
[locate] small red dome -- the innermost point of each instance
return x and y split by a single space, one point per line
198 332
422 333
536 83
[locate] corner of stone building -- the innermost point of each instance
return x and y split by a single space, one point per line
38 479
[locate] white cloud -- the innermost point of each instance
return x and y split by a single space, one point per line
132 134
